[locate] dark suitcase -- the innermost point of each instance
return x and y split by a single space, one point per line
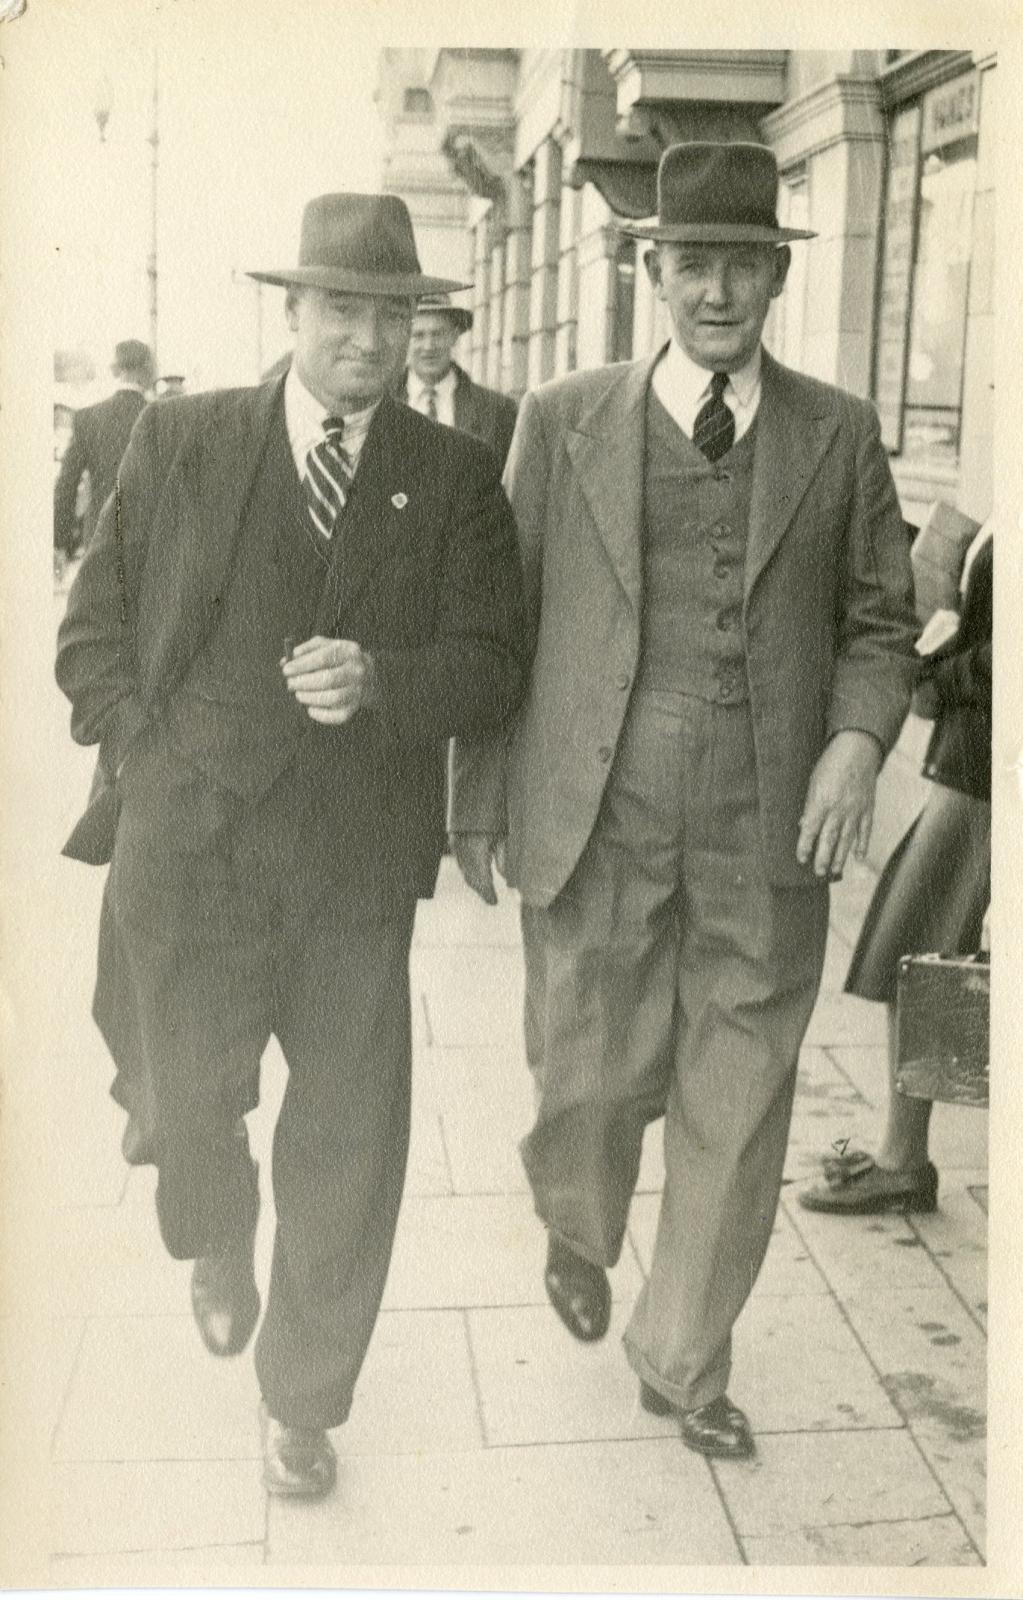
943 1028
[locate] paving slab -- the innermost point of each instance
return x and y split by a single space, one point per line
921 1542
956 1237
840 1019
483 1147
931 1357
111 1258
471 995
416 1393
428 1170
958 1134
477 1250
788 1268
145 1389
66 1336
132 1569
456 917
106 1507
797 1367
633 1502
878 1256
816 1480
538 1385
494 1078
85 1139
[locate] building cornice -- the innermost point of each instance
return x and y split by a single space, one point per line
843 110
755 77
920 70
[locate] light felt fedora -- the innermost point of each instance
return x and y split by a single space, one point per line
361 243
441 305
716 194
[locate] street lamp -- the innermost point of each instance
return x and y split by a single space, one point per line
103 104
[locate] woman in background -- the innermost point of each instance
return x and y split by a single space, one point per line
931 898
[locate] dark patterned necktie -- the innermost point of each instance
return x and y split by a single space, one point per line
431 404
714 426
327 480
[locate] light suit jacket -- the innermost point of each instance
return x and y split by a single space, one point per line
828 621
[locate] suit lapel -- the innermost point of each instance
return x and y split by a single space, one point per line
607 451
371 524
795 426
467 407
228 457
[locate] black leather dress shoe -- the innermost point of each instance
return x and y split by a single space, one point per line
225 1299
297 1462
578 1291
717 1429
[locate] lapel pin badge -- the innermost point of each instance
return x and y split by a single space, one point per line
399 501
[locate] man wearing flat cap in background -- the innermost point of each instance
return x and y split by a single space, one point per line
720 622
306 591
99 438
438 387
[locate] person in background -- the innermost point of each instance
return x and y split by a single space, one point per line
931 897
170 384
720 622
305 590
438 387
99 438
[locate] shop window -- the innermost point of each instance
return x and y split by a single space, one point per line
925 272
624 299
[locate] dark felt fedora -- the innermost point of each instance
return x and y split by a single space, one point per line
442 305
716 194
362 243
132 355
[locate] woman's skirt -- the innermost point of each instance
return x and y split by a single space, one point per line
932 895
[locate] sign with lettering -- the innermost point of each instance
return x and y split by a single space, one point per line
951 112
897 272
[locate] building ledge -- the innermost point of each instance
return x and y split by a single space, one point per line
840 111
644 77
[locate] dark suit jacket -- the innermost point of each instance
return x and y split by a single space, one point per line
99 438
483 412
425 576
828 620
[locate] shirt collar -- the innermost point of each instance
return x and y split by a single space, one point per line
687 384
305 416
417 387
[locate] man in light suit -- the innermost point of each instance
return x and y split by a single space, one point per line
305 591
720 621
438 387
99 438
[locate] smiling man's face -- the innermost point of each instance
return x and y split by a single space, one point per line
718 296
349 348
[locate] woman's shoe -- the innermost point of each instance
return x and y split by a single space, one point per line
854 1185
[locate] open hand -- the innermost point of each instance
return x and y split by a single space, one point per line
839 810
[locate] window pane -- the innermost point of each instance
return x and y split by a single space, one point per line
937 338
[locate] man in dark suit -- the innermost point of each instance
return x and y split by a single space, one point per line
99 438
438 387
306 591
720 619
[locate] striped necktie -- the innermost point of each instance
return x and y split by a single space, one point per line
327 480
714 425
431 402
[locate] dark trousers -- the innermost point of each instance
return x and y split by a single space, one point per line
222 941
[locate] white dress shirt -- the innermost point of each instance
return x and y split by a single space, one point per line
304 416
682 387
444 390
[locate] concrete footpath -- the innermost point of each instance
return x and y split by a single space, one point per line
483 1436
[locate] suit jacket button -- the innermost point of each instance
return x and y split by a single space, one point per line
605 753
623 680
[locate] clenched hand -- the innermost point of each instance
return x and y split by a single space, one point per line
332 678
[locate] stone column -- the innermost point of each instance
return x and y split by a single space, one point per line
568 281
543 288
496 329
480 296
515 323
836 130
598 249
